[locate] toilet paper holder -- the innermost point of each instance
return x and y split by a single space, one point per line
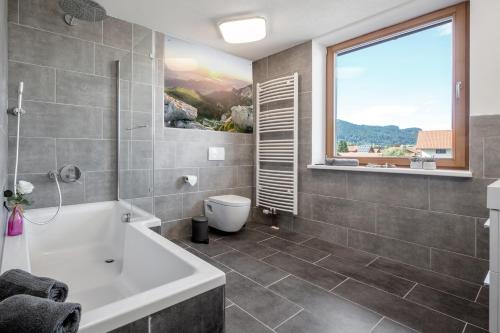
191 180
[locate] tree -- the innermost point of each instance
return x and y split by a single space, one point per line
342 147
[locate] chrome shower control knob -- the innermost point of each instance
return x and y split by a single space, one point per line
70 173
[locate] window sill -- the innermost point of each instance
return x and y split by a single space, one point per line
407 171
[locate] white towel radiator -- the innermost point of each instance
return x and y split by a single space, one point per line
276 144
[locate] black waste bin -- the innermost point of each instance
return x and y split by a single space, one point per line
199 229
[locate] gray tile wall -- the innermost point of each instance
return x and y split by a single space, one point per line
181 152
430 222
3 116
70 93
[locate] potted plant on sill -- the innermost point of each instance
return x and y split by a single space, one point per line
17 201
429 163
416 162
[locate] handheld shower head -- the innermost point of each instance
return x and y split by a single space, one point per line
86 10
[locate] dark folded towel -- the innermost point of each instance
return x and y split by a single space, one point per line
342 161
29 314
17 281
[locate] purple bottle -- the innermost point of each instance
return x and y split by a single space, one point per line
15 224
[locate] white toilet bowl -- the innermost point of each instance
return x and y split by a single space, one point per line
227 212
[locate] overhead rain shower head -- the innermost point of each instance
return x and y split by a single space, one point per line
85 10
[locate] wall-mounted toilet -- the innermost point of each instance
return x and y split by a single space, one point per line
227 212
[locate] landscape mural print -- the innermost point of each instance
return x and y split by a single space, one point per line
206 88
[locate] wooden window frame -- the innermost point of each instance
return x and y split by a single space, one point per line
460 118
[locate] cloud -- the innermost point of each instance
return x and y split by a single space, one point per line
381 115
445 29
349 72
182 64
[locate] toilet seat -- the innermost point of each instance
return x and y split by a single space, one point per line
230 200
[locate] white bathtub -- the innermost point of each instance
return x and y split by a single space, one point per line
149 273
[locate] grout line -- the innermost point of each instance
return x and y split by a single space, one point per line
248 313
409 291
270 255
304 241
338 285
404 299
372 261
55 85
220 254
277 281
317 261
284 321
477 296
375 326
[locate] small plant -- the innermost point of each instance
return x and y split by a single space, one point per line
429 163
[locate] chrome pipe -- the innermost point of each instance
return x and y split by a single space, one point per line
118 129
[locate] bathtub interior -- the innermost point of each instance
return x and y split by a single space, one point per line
101 258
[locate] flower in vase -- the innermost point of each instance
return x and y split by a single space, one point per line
19 199
24 187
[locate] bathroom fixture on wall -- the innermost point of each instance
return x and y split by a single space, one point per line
191 180
18 111
276 157
227 213
273 212
245 30
69 173
216 154
136 127
85 10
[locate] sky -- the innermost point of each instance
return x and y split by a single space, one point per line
185 56
405 82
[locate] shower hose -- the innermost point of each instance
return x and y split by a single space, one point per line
54 173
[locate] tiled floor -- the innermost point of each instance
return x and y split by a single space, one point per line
280 281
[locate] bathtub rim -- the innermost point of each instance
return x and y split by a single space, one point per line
116 314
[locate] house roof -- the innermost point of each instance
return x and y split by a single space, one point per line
434 139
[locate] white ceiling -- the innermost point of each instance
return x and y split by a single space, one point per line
290 22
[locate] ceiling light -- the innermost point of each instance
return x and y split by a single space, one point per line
243 30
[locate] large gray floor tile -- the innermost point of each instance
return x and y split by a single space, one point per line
251 248
281 233
342 314
238 321
473 329
211 249
435 280
302 252
368 275
319 276
260 302
460 308
307 322
408 313
251 267
389 326
340 251
211 261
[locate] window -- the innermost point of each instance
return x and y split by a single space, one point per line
401 91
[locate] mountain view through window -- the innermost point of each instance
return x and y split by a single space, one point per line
394 98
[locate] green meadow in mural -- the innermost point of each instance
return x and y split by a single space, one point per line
206 88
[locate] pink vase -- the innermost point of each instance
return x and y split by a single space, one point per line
15 224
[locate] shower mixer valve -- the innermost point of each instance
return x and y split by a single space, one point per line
69 174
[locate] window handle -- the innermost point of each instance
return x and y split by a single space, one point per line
458 89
